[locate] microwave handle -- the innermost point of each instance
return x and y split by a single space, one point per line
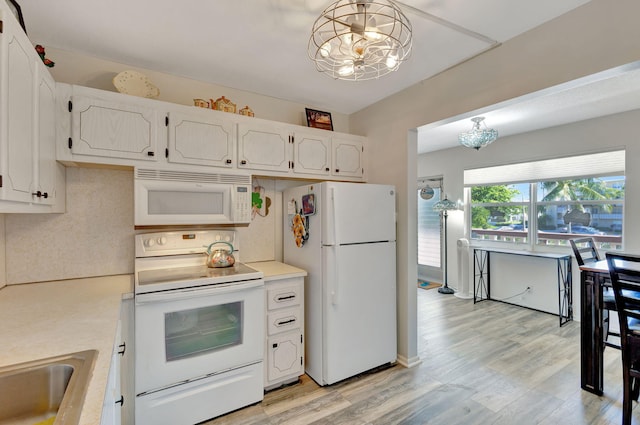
187 293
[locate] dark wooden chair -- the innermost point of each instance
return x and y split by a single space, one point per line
585 251
624 270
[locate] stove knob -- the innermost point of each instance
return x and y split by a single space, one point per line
162 240
149 243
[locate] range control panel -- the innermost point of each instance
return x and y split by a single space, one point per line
177 243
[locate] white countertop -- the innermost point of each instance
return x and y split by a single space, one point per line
46 319
275 270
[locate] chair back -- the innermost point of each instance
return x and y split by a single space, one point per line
585 250
624 270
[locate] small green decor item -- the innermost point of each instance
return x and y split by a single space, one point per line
256 200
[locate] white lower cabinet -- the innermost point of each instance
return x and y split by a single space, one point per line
284 352
284 358
119 396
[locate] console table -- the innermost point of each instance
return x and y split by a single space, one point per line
482 277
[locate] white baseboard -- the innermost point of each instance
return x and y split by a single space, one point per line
409 363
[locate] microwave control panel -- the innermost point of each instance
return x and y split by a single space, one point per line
242 201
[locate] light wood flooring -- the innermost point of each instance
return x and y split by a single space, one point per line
488 363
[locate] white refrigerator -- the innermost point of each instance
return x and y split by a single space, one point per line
344 236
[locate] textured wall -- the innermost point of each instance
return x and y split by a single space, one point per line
95 236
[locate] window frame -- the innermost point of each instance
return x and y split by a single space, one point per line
532 236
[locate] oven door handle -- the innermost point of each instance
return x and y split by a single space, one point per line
184 294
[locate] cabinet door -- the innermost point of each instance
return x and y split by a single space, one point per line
113 129
17 109
127 372
264 147
200 140
284 357
311 154
46 137
347 157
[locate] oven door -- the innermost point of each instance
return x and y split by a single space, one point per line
188 334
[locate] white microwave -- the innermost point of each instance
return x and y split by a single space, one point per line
163 197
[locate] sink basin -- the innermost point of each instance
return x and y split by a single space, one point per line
39 390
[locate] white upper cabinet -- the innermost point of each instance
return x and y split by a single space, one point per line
114 129
311 154
29 173
18 126
264 146
201 138
348 156
47 168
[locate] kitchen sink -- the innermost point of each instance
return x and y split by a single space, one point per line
34 392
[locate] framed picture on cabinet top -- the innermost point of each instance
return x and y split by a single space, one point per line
319 119
17 11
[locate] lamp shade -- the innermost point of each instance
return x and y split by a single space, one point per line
445 205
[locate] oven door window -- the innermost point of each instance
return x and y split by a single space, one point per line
203 330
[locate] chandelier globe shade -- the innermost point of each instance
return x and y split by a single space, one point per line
477 137
357 40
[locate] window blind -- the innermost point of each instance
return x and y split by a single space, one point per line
568 168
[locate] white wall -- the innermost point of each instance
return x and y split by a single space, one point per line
72 68
598 36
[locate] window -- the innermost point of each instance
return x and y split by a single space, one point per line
429 230
562 201
500 212
581 207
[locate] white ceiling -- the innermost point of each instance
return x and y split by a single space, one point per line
261 45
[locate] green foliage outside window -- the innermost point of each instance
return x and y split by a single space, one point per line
481 215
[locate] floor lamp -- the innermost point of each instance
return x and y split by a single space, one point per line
443 206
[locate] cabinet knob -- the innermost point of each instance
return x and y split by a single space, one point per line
38 194
151 153
121 401
243 162
229 161
326 169
337 170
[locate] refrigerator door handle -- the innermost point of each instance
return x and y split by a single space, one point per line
336 274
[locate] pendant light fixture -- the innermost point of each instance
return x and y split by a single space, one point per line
360 39
478 137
